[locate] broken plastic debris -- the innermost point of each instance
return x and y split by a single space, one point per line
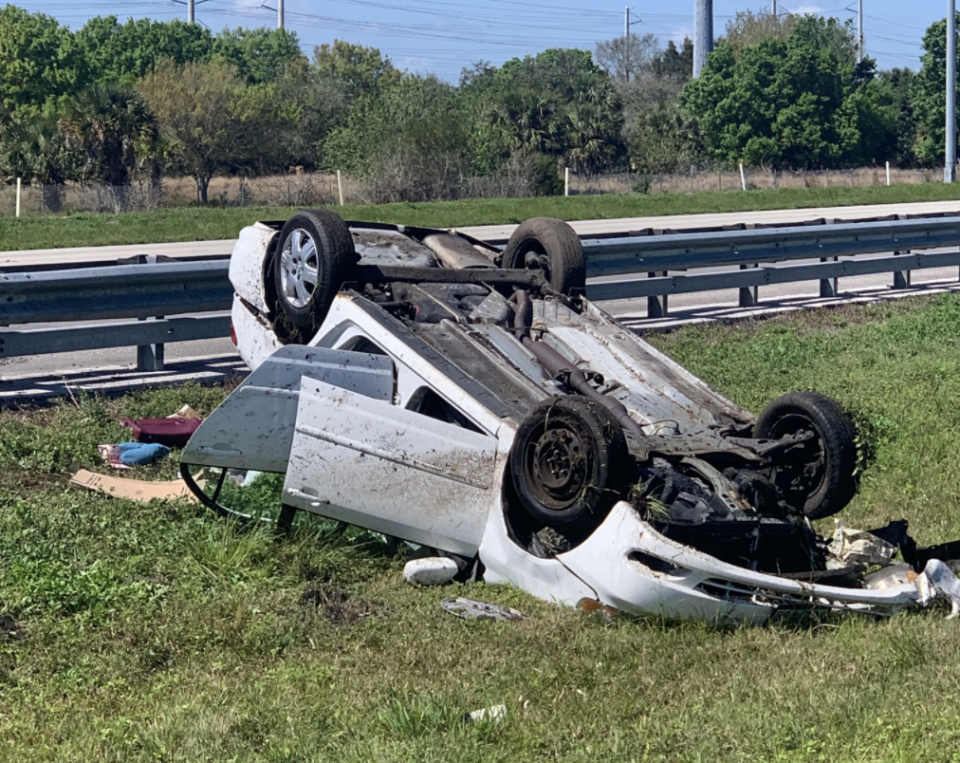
939 581
470 609
857 547
896 574
495 713
133 490
432 570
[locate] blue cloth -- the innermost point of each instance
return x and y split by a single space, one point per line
141 453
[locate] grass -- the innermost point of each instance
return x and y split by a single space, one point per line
158 632
196 224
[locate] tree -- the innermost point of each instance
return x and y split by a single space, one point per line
35 150
128 51
746 29
674 63
930 95
214 124
595 128
664 140
624 57
112 128
783 103
897 91
410 136
259 55
38 62
357 69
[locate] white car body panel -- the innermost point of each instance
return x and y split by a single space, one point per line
363 461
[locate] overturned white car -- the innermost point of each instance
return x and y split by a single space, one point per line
427 386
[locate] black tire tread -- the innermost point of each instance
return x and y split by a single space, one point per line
568 269
838 438
611 466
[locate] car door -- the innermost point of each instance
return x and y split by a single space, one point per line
397 471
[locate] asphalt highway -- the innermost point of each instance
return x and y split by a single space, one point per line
112 368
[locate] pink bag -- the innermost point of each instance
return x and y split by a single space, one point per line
173 432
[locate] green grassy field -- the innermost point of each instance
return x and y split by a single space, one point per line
196 224
158 632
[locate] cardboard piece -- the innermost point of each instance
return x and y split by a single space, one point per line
133 490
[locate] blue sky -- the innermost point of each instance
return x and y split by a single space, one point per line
443 36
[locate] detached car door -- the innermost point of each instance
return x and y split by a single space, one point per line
396 471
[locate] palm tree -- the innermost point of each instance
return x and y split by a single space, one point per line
595 127
36 151
112 126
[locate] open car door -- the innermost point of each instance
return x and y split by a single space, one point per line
401 472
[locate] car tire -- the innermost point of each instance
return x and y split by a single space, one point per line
315 256
826 482
552 246
569 463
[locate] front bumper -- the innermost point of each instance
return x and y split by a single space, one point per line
628 565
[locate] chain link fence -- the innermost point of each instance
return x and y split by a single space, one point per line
305 189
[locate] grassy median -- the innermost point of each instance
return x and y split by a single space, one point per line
158 632
204 224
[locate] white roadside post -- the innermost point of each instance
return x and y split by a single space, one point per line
340 186
888 173
743 177
566 181
19 186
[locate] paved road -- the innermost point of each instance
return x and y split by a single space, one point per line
48 372
499 232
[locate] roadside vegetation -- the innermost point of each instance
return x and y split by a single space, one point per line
134 632
207 223
124 104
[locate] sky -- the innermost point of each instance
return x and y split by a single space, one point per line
444 36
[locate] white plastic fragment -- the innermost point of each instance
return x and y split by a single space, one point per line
939 581
432 570
495 713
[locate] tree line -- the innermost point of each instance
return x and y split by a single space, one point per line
117 102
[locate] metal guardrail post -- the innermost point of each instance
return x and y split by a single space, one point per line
657 306
901 278
749 295
828 286
149 356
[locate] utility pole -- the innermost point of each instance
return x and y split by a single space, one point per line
950 165
626 43
279 14
860 33
702 34
191 14
774 8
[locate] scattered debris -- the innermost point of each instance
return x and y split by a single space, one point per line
495 713
896 574
598 608
471 609
338 606
171 431
133 490
10 629
857 548
431 570
126 455
939 581
185 412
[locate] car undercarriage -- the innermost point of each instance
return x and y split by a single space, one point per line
431 388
